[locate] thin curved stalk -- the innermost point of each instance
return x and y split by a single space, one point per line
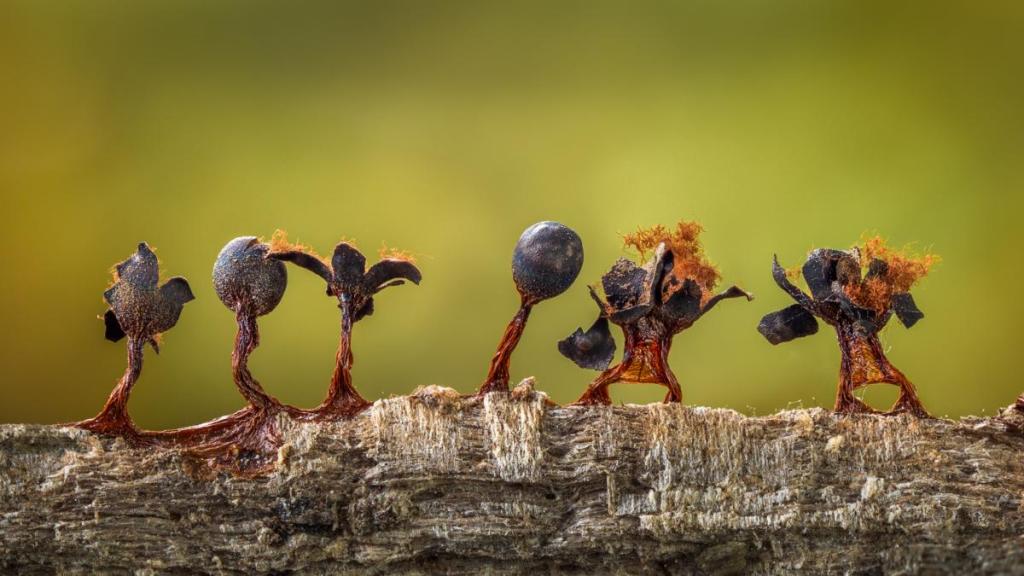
342 397
675 392
498 373
114 417
246 340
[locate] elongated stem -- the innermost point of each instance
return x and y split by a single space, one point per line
342 398
497 374
854 364
675 393
246 340
114 418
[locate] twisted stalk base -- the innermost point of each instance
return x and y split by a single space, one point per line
114 419
644 361
864 363
498 373
342 400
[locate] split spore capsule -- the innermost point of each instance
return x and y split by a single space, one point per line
141 309
857 292
651 304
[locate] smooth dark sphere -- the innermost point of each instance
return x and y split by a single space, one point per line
546 261
245 280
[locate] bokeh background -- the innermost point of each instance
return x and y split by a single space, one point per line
447 128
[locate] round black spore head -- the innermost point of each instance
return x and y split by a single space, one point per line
546 260
246 280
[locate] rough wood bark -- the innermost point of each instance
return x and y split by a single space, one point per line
509 484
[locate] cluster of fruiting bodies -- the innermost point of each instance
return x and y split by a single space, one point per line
855 291
250 278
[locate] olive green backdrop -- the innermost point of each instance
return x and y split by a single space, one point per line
447 128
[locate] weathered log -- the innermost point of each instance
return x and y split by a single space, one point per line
434 482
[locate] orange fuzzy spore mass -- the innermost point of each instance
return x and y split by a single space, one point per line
689 260
904 269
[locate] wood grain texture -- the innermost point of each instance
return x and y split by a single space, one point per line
435 483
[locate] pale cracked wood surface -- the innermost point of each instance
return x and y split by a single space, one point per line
432 483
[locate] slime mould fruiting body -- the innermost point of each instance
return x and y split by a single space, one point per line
140 309
651 304
545 262
354 286
250 285
856 292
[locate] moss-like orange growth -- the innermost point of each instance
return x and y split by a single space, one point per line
684 241
904 269
279 243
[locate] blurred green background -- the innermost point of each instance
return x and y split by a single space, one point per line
447 128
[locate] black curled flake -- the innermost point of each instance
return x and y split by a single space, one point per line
305 260
633 291
684 304
390 272
779 275
114 332
731 292
593 349
348 266
627 291
177 290
787 324
825 266
906 309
